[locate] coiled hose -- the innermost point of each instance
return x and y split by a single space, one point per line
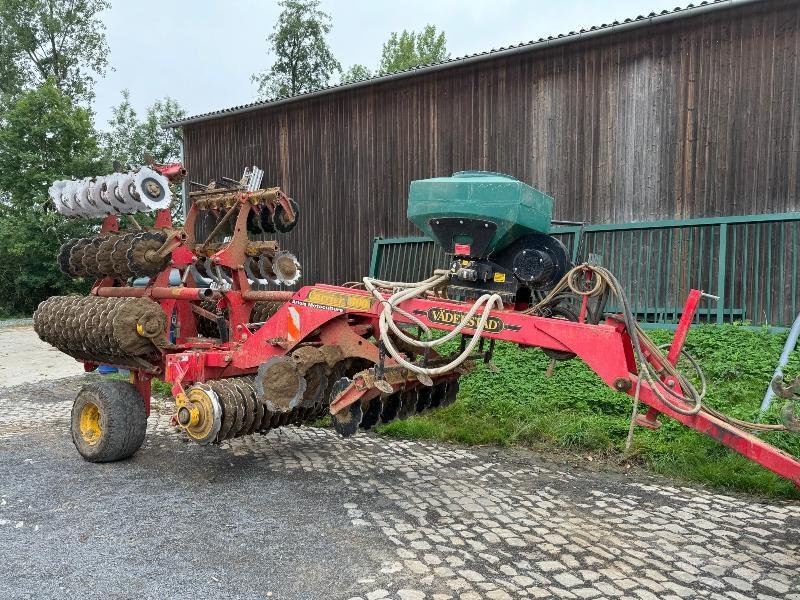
405 291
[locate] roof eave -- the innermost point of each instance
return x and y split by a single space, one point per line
689 11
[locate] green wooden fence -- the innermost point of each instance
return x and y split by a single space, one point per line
750 262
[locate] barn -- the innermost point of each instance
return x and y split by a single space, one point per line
674 136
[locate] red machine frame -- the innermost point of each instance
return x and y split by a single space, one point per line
347 317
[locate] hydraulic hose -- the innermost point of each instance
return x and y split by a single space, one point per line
406 291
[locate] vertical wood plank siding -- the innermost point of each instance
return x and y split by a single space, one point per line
696 117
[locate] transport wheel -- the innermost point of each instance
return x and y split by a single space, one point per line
108 421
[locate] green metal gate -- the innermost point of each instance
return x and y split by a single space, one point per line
750 262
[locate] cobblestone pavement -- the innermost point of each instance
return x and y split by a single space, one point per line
301 513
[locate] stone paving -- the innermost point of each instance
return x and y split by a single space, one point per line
450 522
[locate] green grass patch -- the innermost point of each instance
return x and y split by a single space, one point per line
575 411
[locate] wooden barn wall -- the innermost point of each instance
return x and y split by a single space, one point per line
697 117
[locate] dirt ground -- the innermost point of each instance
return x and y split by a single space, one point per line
303 514
24 358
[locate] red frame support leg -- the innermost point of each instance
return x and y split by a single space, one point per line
142 381
650 419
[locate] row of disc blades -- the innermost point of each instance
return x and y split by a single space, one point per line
385 408
261 220
243 413
291 390
119 255
141 190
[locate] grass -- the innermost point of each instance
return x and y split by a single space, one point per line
575 411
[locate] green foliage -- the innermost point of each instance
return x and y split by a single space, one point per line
576 411
356 73
303 60
44 136
58 40
410 49
129 138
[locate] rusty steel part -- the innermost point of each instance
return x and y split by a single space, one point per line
347 420
144 259
222 199
122 331
64 254
261 248
266 296
789 417
263 310
786 390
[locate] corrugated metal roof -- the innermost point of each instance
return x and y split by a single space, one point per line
567 38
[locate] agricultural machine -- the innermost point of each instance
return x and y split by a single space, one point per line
243 360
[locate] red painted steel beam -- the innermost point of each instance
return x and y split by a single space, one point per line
158 293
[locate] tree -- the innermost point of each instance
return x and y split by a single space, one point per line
356 73
130 138
58 40
303 60
411 49
44 136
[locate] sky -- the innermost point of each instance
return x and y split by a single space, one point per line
202 53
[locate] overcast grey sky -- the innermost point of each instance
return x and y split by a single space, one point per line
202 52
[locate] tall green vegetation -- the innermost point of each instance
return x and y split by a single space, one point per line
403 51
410 49
303 59
51 52
44 136
130 137
57 40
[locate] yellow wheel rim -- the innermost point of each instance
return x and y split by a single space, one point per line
90 424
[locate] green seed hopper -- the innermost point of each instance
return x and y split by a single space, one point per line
474 202
496 227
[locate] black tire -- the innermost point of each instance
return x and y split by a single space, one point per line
108 421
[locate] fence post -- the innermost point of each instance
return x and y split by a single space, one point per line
376 250
722 267
577 236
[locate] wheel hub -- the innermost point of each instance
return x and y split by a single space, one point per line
91 431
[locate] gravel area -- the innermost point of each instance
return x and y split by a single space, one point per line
303 514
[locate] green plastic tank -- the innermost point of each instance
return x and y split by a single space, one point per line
460 208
